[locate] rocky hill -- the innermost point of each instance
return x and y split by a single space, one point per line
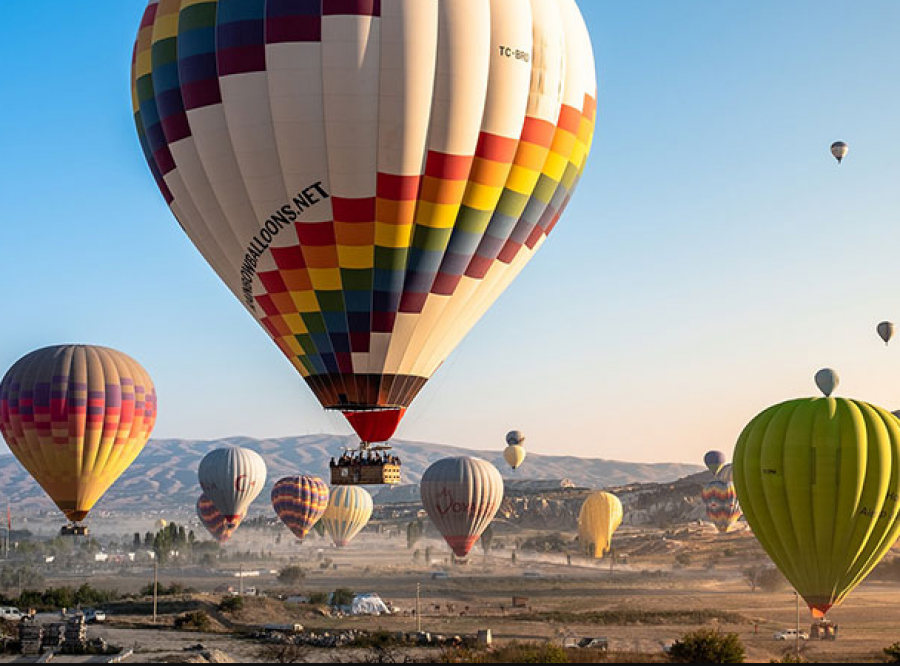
164 477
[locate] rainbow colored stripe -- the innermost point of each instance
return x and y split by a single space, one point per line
722 507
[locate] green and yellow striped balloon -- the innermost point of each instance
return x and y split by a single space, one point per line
818 480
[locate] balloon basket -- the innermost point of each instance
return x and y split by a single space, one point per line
74 530
823 630
366 466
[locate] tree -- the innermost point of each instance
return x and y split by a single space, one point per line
292 575
414 532
342 597
137 541
892 653
487 538
708 646
767 579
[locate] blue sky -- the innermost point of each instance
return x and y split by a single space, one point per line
714 258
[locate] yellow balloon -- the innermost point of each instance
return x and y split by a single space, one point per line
349 510
600 517
515 456
76 417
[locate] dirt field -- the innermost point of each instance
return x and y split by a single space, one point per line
640 606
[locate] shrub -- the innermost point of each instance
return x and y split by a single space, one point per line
684 559
893 653
342 597
232 605
195 621
514 653
708 646
318 598
292 575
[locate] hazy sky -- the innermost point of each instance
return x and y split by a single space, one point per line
714 258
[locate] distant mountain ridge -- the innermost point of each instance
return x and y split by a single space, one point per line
164 477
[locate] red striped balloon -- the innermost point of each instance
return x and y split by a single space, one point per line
462 496
300 502
214 522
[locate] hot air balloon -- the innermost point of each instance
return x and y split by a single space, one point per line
348 512
722 507
461 496
714 461
515 456
366 177
839 149
886 331
232 478
599 518
818 480
300 502
214 522
827 380
160 524
76 417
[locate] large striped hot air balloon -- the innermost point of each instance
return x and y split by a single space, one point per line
76 417
232 478
461 496
367 177
214 522
348 512
300 502
818 480
722 507
599 518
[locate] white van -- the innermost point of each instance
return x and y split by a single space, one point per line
10 614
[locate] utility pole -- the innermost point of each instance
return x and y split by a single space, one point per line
418 608
155 586
241 580
797 594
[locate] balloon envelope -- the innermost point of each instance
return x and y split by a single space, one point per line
599 518
366 177
214 522
461 496
818 480
300 502
515 438
232 478
827 380
76 417
839 149
886 331
348 512
515 456
722 507
714 461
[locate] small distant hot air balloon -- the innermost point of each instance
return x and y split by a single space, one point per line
886 331
232 478
722 507
461 496
76 417
348 512
300 502
600 517
515 452
214 522
160 524
818 480
714 461
827 380
839 149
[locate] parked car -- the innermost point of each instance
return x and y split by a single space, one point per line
440 575
94 616
791 635
10 614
